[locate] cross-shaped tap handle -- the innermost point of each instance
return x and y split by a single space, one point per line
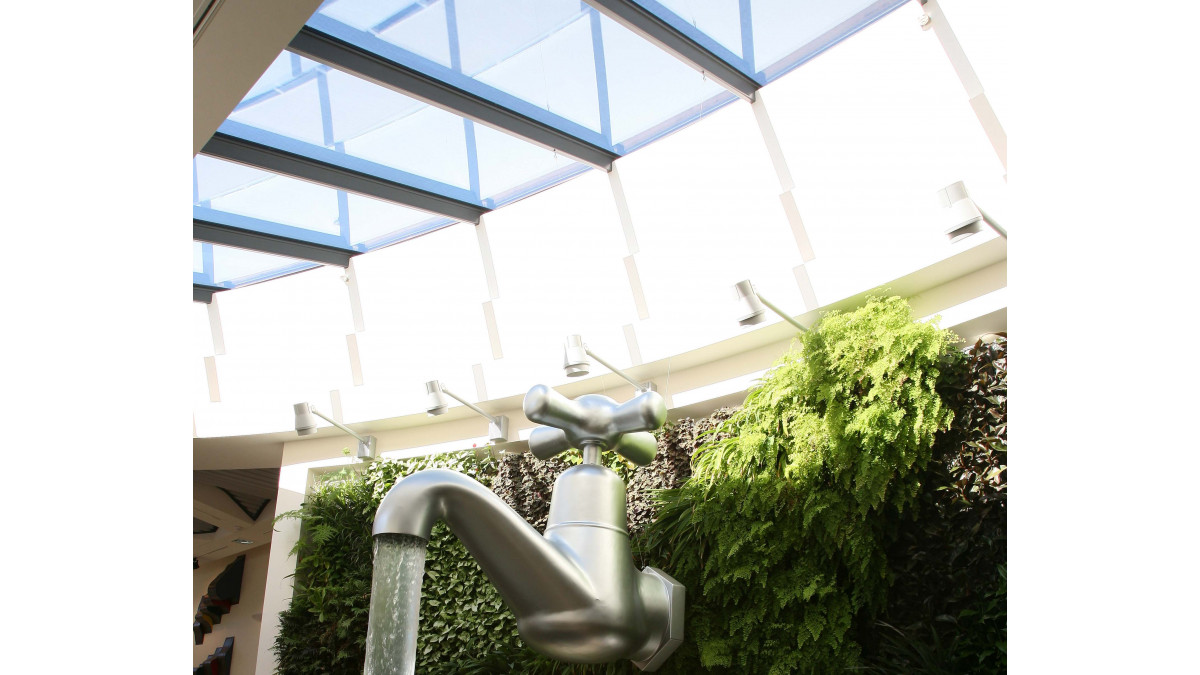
597 420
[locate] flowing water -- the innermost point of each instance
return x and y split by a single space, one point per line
395 605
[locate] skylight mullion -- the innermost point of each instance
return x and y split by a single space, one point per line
337 53
204 292
337 170
265 242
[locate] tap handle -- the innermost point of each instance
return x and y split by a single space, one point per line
546 442
546 406
594 419
643 412
638 447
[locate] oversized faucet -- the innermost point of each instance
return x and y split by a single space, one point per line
574 590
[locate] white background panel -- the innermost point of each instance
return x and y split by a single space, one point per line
705 205
423 319
558 258
285 339
871 130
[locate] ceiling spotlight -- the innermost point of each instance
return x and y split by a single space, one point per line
436 404
576 363
965 215
754 306
306 424
435 399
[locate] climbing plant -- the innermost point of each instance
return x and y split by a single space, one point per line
780 534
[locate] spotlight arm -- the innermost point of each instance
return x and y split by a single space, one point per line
991 223
456 397
344 428
641 387
770 305
366 444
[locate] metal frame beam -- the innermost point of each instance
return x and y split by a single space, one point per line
227 235
275 160
336 53
646 24
202 293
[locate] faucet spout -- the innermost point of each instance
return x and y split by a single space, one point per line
532 575
574 591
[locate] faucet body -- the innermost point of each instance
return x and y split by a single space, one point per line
574 590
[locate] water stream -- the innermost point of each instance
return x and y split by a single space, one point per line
395 605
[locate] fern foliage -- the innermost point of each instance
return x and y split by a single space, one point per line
780 534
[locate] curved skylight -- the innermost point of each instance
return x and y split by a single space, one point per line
387 119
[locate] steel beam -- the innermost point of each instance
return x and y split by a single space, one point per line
257 155
336 53
202 293
217 233
646 24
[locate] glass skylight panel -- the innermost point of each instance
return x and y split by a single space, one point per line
650 92
719 22
232 267
327 114
232 194
767 38
557 61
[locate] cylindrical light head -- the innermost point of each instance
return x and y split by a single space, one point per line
306 421
752 310
575 359
965 218
435 401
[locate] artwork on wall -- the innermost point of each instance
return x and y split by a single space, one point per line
219 662
223 593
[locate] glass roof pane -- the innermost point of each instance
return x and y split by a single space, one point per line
557 61
510 169
232 267
332 116
767 38
789 32
650 92
241 196
719 20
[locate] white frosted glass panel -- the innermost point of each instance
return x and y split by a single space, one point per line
984 29
285 341
705 205
558 258
871 130
202 344
199 382
423 314
250 417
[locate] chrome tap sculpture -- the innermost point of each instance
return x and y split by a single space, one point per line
575 592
